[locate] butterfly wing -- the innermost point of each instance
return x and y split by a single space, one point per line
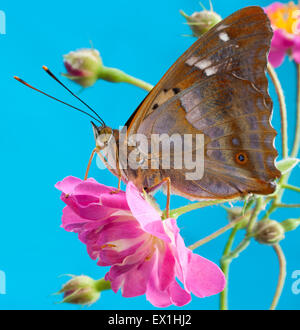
218 88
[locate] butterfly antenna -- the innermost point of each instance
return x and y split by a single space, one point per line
211 5
77 97
54 98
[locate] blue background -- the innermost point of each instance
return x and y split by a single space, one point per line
42 142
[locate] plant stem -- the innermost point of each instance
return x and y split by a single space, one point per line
282 275
296 143
216 233
283 112
138 82
255 212
245 242
190 207
287 205
284 178
225 268
102 285
291 187
116 75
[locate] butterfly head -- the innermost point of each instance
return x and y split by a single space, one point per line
102 135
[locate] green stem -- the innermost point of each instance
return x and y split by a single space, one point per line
296 143
190 207
283 112
291 187
284 178
216 233
228 255
287 205
256 210
282 181
282 275
102 285
116 75
225 268
245 242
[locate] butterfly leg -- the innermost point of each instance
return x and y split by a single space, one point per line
90 162
118 174
119 177
166 180
119 186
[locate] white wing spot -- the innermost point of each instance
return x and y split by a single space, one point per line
211 71
224 36
221 27
192 60
203 64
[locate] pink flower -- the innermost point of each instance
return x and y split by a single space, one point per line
146 254
285 20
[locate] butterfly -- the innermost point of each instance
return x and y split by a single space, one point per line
218 89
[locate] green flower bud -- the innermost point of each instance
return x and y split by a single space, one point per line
83 66
290 224
83 290
268 232
201 22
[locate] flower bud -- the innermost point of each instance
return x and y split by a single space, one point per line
201 22
83 66
290 224
81 290
268 232
287 164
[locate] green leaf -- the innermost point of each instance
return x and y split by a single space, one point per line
290 224
286 165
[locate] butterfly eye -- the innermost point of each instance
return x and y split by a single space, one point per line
241 158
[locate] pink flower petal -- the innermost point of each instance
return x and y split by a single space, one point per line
282 40
157 297
199 275
273 7
115 200
296 50
280 44
92 211
110 256
90 187
68 184
129 263
136 280
116 283
145 214
179 296
166 267
72 221
204 278
276 57
124 230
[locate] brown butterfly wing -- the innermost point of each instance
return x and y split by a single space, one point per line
218 88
